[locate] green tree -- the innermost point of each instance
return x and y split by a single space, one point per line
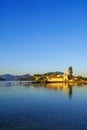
70 72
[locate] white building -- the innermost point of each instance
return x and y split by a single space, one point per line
57 77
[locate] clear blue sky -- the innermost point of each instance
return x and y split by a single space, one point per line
38 36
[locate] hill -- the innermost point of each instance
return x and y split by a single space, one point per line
14 77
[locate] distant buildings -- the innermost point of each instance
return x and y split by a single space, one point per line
57 77
52 77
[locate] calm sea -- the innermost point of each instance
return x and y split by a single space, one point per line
42 107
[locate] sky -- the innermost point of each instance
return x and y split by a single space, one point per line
38 36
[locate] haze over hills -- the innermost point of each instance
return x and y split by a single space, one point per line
14 77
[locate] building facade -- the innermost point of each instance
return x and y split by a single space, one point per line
57 77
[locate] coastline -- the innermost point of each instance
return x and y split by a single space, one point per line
76 82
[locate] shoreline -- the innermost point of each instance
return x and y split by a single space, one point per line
78 82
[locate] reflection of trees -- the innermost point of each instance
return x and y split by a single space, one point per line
67 88
70 92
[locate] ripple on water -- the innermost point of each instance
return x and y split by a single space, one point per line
43 122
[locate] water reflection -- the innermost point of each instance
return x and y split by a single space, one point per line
58 86
26 106
70 92
65 87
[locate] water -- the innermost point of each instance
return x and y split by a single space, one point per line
42 107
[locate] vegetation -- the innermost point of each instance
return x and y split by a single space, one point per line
31 78
81 78
42 79
70 72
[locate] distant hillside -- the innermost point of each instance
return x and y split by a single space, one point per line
57 72
14 77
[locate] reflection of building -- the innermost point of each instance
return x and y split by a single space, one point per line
55 85
65 88
58 86
57 77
